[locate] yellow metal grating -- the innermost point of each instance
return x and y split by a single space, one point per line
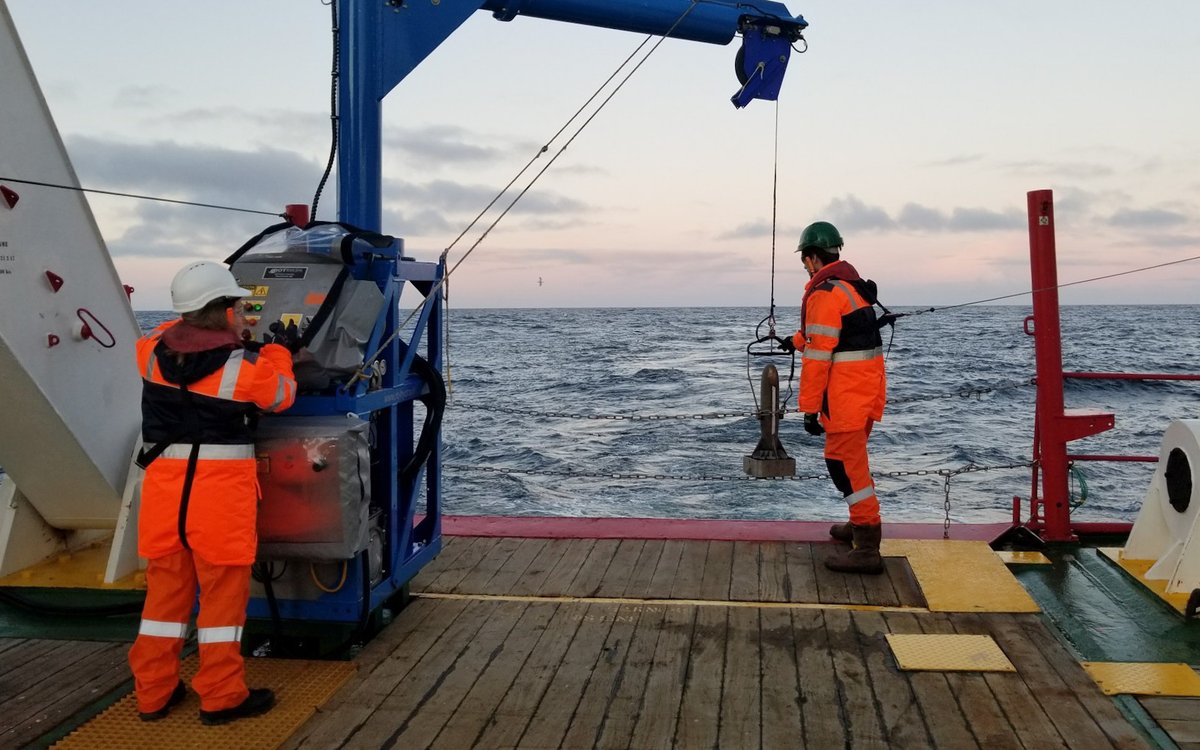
81 569
1137 569
940 652
1021 557
943 569
300 687
1144 678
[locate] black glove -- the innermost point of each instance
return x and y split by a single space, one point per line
287 336
887 319
812 425
787 344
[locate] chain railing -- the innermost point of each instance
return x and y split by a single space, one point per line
946 474
964 392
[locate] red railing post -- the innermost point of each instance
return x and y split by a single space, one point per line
1054 426
1056 511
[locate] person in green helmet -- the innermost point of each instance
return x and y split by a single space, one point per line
843 386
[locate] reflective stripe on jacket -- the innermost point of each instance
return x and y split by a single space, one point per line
215 513
842 376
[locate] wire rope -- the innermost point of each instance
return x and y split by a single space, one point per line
136 195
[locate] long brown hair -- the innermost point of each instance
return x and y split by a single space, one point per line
213 317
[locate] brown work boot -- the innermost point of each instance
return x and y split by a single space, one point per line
864 556
842 533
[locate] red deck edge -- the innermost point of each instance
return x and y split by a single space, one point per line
542 527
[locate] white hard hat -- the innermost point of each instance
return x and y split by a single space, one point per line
201 282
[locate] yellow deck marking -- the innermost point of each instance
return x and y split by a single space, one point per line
940 652
960 576
300 687
1144 678
1021 557
1137 569
668 602
82 569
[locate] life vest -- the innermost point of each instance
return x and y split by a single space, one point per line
842 373
200 491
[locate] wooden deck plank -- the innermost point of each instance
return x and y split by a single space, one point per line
540 569
361 700
908 593
413 715
591 573
1026 716
483 697
856 697
1185 709
699 710
741 692
689 578
773 572
984 717
77 678
899 712
664 572
477 578
452 547
943 717
801 574
461 566
744 583
588 720
554 713
659 711
506 724
832 587
825 716
1072 721
718 572
558 581
517 567
1099 706
637 586
878 589
623 566
621 715
782 720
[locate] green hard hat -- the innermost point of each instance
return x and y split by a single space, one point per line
820 234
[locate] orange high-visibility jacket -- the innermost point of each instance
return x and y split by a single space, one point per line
842 376
201 492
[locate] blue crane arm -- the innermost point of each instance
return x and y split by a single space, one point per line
712 22
382 41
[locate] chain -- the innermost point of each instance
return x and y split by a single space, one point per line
609 417
965 392
946 473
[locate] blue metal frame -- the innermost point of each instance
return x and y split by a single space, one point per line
381 42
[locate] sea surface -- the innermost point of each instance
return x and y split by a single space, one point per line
647 412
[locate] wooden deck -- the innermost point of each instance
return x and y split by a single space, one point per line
549 643
45 683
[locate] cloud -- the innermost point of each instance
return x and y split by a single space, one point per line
1076 170
264 179
956 161
1150 218
852 214
433 146
454 196
757 229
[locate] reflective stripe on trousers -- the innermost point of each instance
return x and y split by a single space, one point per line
850 469
171 584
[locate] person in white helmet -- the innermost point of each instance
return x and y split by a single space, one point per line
201 389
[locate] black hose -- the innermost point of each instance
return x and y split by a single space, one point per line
435 407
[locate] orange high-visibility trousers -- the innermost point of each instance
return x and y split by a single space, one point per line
171 583
850 470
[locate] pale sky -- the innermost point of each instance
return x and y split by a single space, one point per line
917 128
